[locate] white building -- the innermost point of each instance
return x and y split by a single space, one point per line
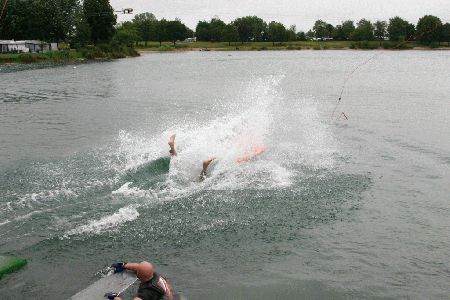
8 46
11 46
191 40
37 46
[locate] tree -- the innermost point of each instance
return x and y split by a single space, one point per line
320 29
126 34
445 34
347 29
301 36
250 28
203 31
145 26
82 35
244 29
364 31
51 20
399 29
428 29
160 33
277 32
291 33
17 20
380 30
211 31
230 34
101 19
216 29
176 31
338 33
309 35
330 29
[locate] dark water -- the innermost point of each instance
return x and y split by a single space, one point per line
334 209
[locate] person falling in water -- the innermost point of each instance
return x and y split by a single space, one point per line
255 152
173 152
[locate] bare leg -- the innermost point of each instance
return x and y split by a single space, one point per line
206 164
171 143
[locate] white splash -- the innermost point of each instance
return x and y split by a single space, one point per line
126 190
290 130
123 215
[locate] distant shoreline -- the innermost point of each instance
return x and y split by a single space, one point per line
268 46
76 56
147 50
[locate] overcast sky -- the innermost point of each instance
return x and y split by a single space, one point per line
302 13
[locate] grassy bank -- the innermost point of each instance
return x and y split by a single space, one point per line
87 53
303 45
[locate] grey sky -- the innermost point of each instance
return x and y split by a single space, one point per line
301 13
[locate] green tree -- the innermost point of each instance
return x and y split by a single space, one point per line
176 31
301 36
230 34
58 18
203 31
310 35
82 35
160 34
216 29
364 31
17 20
330 29
428 29
145 26
51 20
320 29
347 28
380 30
250 28
399 29
277 32
101 19
338 33
291 33
445 34
244 29
126 34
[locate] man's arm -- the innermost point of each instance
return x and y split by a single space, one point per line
131 266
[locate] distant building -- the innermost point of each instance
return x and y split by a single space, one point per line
191 40
11 46
37 46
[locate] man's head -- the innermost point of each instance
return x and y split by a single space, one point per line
145 271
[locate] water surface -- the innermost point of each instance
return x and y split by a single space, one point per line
334 208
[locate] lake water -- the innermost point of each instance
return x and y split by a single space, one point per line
334 209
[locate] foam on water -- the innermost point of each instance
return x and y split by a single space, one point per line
290 131
123 215
127 190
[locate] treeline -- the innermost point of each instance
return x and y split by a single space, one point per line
76 21
88 25
93 22
145 27
429 29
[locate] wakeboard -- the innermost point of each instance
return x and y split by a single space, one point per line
118 283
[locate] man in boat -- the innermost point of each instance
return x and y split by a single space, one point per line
152 286
255 152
